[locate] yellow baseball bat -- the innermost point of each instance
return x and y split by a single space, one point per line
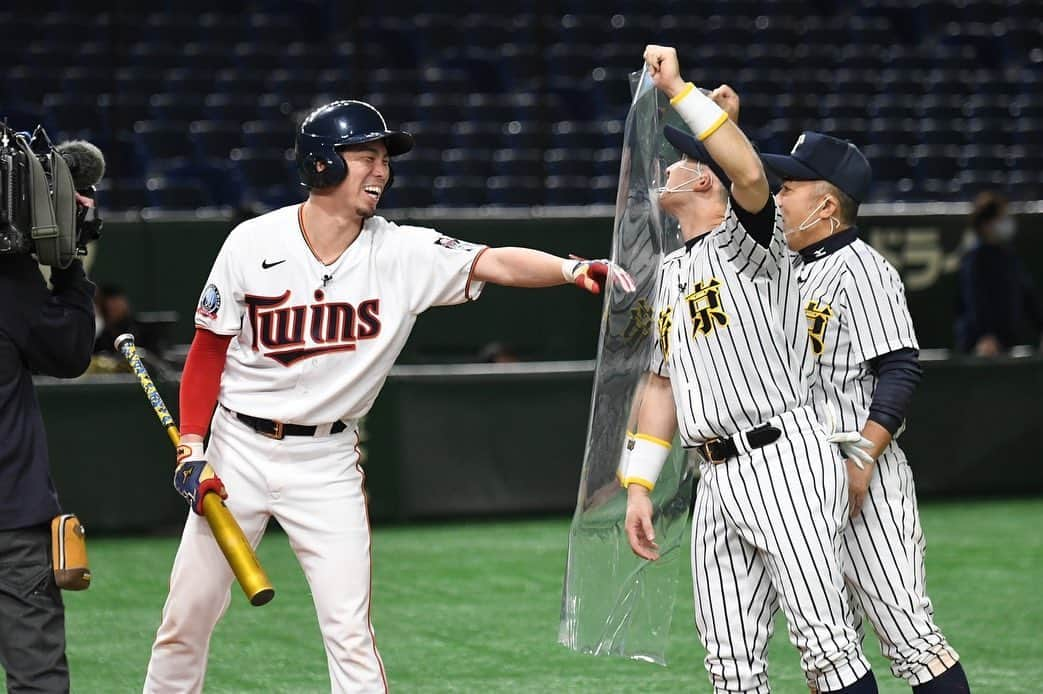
230 538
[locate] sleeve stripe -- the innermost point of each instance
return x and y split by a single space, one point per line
721 120
653 439
682 94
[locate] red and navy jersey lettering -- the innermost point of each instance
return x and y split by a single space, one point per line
279 329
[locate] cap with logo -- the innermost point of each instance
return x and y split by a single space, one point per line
818 157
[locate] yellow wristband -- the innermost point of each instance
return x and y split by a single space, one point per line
682 94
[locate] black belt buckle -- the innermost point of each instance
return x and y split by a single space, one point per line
276 432
708 449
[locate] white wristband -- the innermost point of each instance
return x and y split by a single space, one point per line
568 269
698 111
195 450
646 461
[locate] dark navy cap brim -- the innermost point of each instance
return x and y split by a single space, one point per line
397 141
695 150
789 168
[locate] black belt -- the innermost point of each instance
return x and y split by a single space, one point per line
277 430
718 451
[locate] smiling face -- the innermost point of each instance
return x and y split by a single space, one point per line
369 168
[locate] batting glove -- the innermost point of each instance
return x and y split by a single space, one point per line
194 478
592 275
852 444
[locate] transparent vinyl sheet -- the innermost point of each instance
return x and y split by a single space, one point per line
615 603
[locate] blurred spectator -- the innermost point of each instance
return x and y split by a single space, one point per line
997 300
497 353
117 317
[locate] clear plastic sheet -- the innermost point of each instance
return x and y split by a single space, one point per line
613 602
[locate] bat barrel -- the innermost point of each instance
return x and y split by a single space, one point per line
237 550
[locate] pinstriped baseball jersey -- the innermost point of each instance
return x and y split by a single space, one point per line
856 311
731 334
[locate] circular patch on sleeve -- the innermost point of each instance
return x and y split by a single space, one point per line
209 302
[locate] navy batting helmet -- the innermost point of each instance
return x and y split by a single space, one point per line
339 124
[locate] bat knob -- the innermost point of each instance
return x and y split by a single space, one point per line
122 340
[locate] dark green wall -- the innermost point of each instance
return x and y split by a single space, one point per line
164 265
438 445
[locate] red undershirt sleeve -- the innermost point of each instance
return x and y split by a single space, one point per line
201 380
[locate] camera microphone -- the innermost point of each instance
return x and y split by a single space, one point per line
85 160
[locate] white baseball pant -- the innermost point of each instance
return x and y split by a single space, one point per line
314 487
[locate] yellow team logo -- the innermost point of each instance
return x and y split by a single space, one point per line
704 306
818 316
640 325
663 326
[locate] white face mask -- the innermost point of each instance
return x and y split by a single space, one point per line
808 223
680 187
1005 228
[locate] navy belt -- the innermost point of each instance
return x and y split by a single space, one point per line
278 430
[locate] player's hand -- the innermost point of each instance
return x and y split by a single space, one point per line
725 97
855 447
194 478
592 275
640 532
858 480
664 69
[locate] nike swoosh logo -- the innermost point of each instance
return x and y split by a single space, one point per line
265 264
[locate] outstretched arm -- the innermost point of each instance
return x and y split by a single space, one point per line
723 139
525 267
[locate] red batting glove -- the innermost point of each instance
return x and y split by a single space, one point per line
593 275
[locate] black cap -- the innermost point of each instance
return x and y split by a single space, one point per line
818 157
688 145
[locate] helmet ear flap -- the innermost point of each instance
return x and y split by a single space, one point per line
335 172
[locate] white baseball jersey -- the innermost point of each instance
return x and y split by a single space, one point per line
730 333
314 342
855 306
856 311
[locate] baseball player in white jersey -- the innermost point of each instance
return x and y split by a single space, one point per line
304 312
729 372
865 370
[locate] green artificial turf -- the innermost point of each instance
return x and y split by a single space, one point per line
474 608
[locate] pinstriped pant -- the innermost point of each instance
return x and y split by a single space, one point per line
767 532
884 566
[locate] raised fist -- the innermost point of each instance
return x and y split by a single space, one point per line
664 69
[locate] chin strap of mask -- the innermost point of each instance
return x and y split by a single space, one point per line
834 223
680 187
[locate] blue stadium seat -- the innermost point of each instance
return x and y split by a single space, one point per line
176 108
518 162
162 140
456 191
569 162
265 168
567 190
421 162
273 135
515 191
185 194
215 139
467 162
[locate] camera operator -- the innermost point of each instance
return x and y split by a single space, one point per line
47 331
